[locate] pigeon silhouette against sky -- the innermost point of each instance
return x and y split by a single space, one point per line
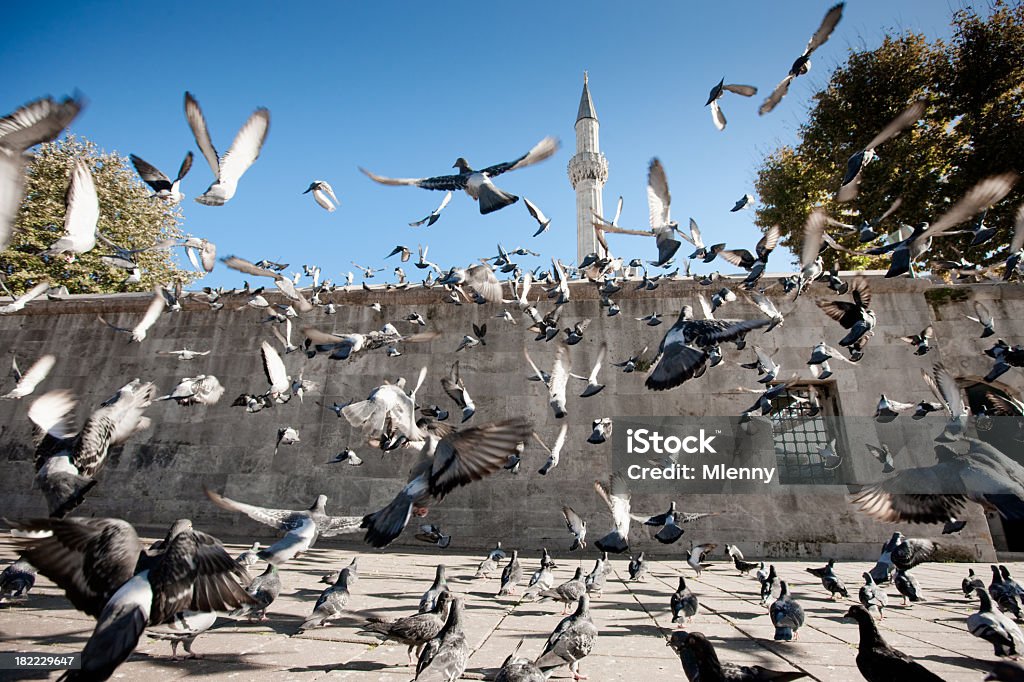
477 183
803 63
229 168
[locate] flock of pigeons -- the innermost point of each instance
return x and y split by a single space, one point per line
183 582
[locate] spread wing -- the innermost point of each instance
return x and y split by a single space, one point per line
197 122
88 558
616 496
828 24
906 118
38 121
981 196
658 198
83 206
540 151
448 183
196 573
150 174
273 367
336 525
470 455
282 519
246 147
776 96
244 266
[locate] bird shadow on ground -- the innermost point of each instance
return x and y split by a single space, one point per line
356 666
739 615
642 629
305 592
206 664
959 662
281 624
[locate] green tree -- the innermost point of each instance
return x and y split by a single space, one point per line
973 127
128 216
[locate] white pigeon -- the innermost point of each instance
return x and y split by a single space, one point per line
204 389
28 381
323 194
153 312
38 121
26 298
286 435
616 495
277 375
82 214
230 167
184 353
202 253
554 451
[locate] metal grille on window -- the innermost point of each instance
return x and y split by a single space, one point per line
800 431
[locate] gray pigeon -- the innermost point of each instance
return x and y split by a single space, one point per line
873 597
511 575
16 581
684 603
263 589
184 629
568 592
596 578
413 631
331 604
516 669
996 628
906 584
638 568
787 615
302 527
444 658
572 640
429 599
101 566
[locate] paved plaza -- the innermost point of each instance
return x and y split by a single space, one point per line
633 619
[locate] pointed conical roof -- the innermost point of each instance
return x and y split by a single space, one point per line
586 103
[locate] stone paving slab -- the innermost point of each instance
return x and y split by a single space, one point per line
633 619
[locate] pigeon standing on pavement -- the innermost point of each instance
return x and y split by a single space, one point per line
511 575
684 603
873 597
701 663
444 658
440 584
332 602
16 580
413 631
787 615
879 662
572 640
263 589
994 627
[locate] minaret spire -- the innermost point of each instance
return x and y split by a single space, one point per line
588 171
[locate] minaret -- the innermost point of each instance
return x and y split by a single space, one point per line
588 171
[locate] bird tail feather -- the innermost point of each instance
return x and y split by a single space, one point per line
491 199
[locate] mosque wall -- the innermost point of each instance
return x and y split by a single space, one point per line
158 475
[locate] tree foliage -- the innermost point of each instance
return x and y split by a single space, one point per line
973 127
128 216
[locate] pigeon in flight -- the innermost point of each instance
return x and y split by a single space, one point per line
323 194
683 352
803 63
616 495
432 217
102 568
577 527
445 463
67 462
38 121
477 183
162 186
855 165
229 168
663 229
81 216
717 117
554 451
20 302
156 307
28 381
857 317
743 202
302 527
543 221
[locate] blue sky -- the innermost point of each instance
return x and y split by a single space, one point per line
405 88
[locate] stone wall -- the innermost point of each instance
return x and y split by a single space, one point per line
157 476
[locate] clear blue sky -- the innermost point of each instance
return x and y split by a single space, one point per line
405 88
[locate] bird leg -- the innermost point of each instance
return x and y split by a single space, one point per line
575 669
412 659
188 648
